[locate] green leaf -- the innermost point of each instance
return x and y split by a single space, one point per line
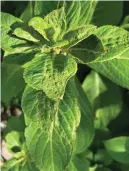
12 82
52 127
102 157
20 56
118 148
87 50
24 34
76 35
78 164
50 73
99 92
102 16
114 65
10 165
6 22
113 38
79 13
41 26
14 142
85 131
57 21
15 124
38 8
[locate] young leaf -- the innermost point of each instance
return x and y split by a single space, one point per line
118 148
24 34
50 73
41 26
57 21
12 81
99 92
52 128
114 65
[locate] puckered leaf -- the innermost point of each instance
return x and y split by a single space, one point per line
99 92
112 37
118 148
52 127
50 73
114 65
12 81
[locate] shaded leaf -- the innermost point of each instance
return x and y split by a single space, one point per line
87 50
12 82
99 92
85 131
102 16
118 148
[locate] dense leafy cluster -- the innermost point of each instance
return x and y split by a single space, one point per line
44 47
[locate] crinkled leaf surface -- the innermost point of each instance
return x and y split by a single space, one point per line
118 148
50 73
107 106
113 38
51 130
12 82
